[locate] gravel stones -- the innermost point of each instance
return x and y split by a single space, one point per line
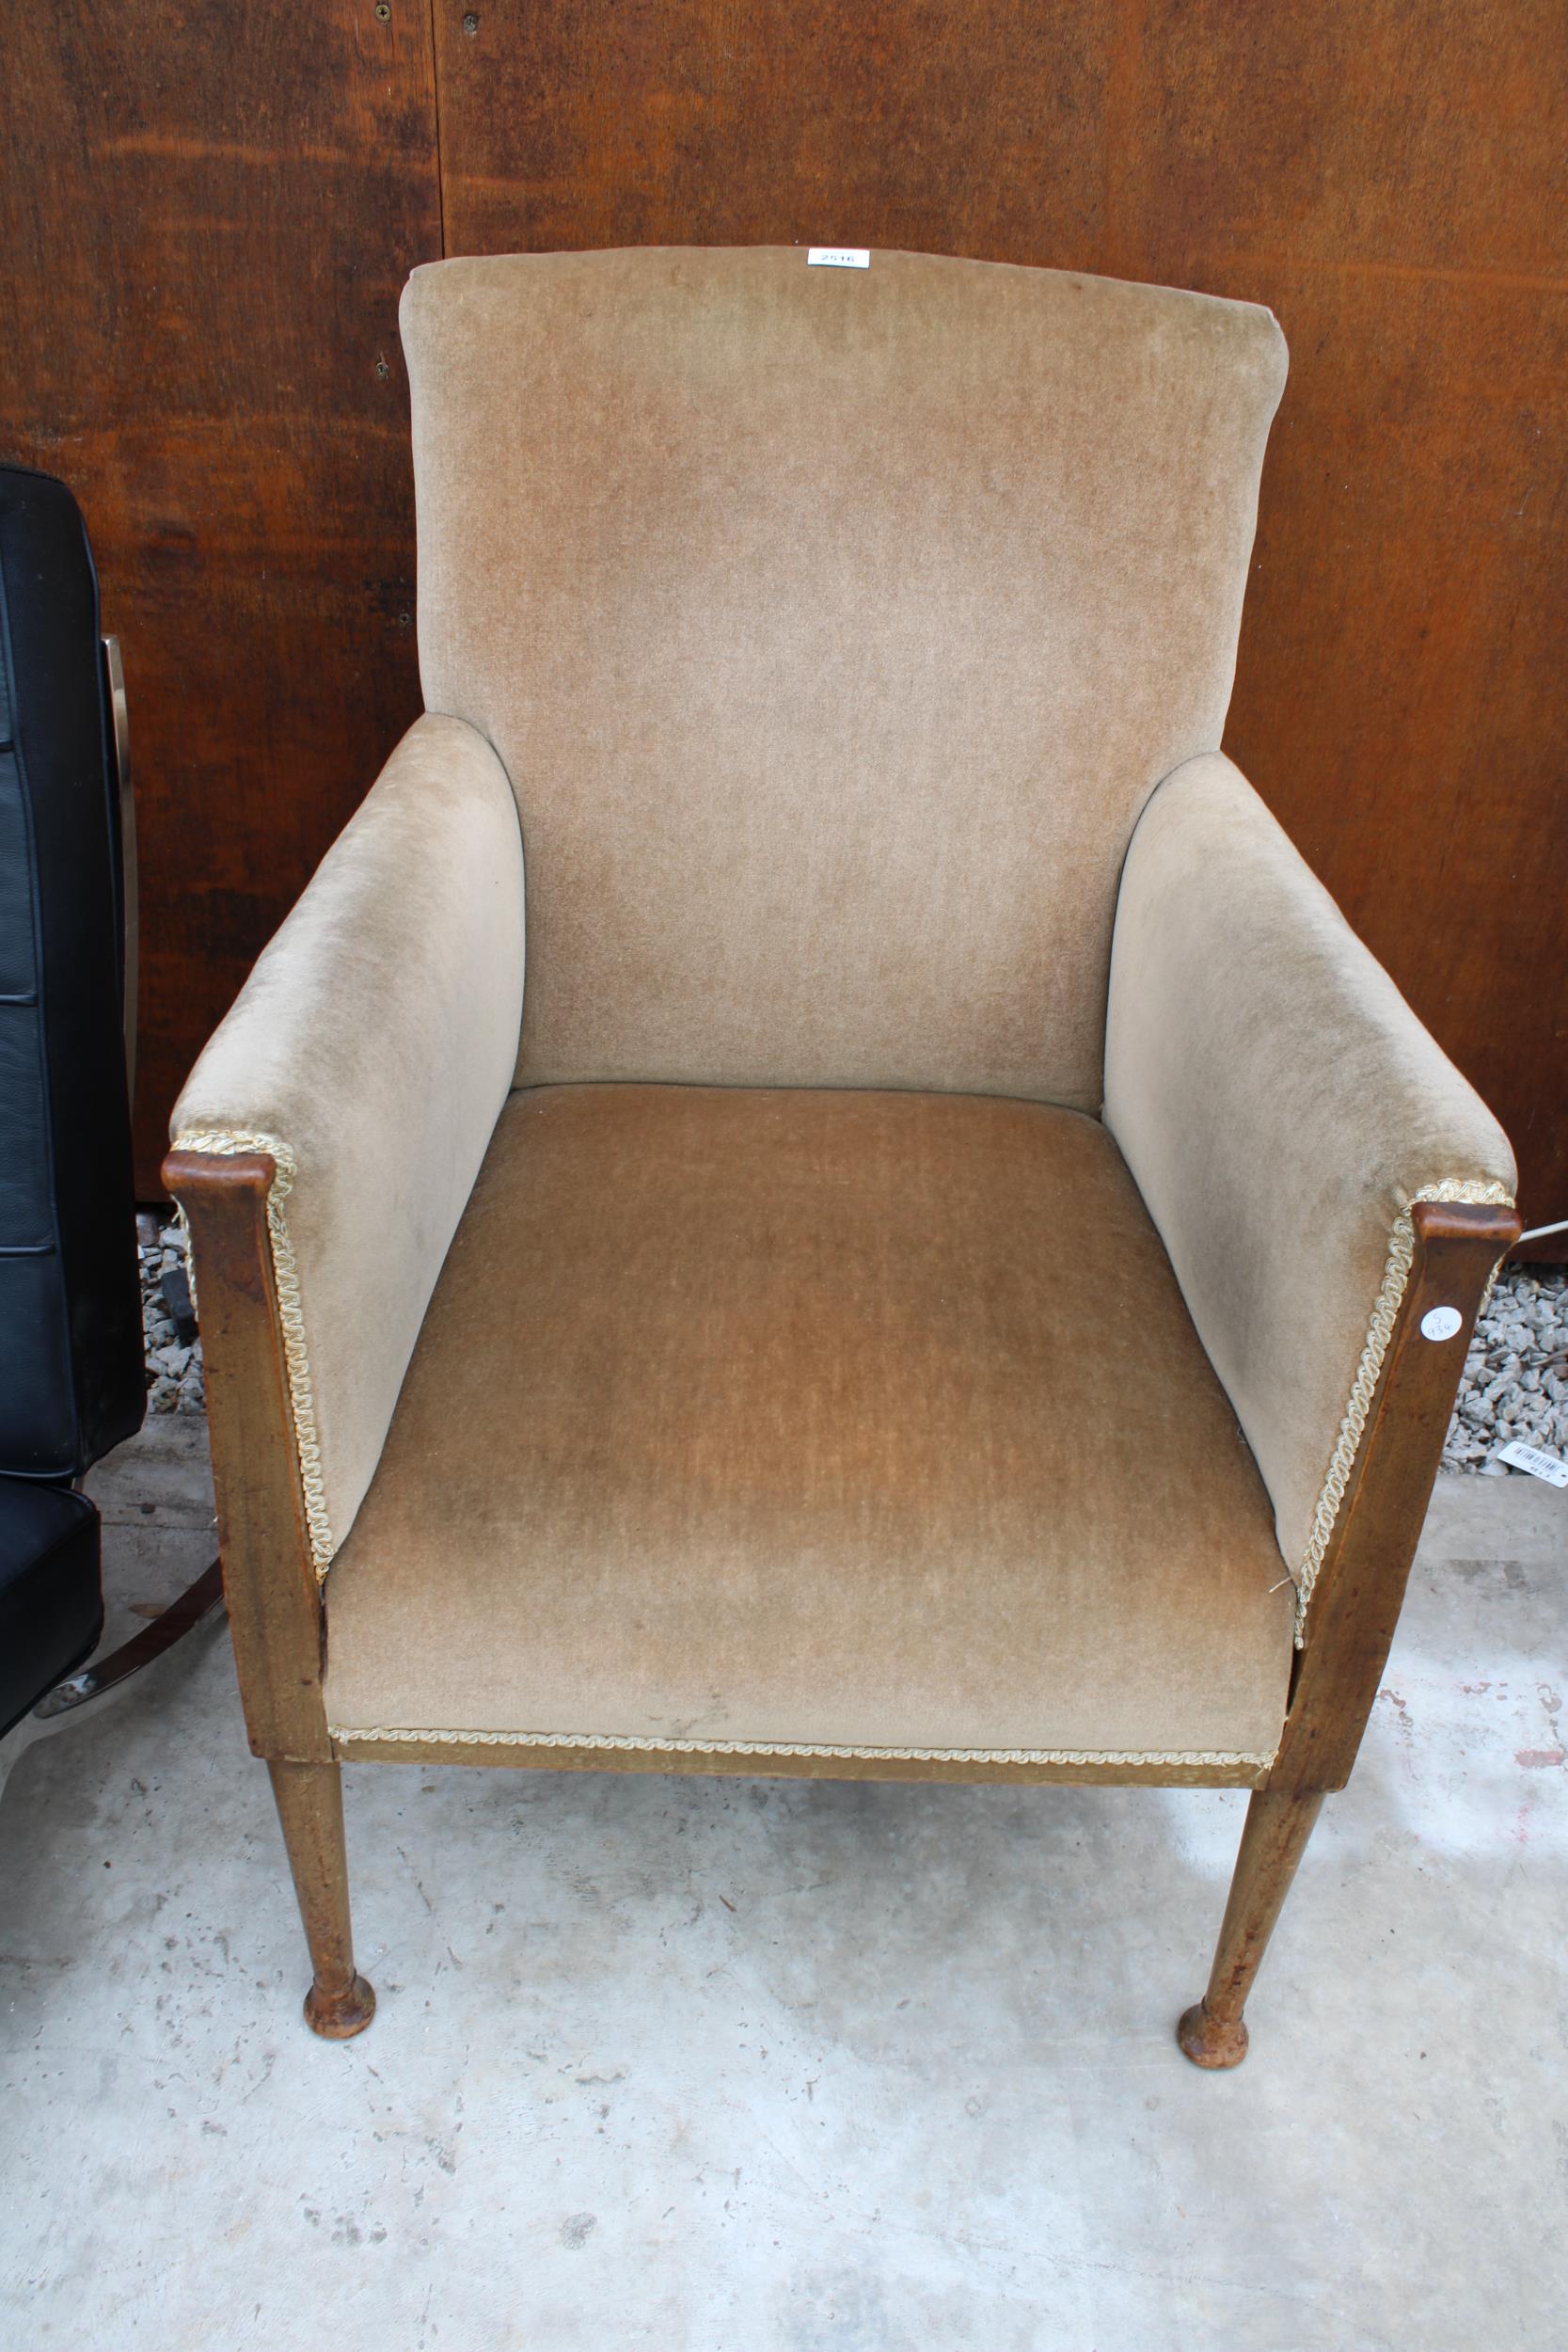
1515 1382
174 1383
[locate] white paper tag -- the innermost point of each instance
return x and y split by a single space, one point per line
1530 1457
1440 1323
838 257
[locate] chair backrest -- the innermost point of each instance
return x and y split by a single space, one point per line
833 626
72 1377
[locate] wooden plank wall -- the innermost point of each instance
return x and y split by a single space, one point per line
212 237
206 216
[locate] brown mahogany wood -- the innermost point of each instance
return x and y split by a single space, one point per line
340 2003
1361 1586
1273 1837
275 1609
1355 1602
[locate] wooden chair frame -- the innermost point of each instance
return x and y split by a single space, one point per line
279 1623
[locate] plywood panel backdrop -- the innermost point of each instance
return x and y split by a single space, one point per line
211 237
1391 176
206 216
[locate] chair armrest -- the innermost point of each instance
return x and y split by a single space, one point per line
1280 1107
368 1054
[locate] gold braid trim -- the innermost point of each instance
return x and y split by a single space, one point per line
1396 1274
229 1144
346 1734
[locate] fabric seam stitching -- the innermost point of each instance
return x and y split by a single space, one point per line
1380 1332
637 1744
230 1143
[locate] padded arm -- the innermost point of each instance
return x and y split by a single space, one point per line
1280 1106
370 1050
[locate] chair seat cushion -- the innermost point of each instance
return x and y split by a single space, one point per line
860 1422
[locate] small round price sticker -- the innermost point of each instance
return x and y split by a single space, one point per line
1441 1322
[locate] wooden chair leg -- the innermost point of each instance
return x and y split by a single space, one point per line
1274 1839
310 1807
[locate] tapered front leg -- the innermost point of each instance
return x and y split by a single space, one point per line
1274 1839
310 1807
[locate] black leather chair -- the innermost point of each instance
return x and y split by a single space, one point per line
71 1376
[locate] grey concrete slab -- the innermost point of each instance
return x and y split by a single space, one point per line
718 2066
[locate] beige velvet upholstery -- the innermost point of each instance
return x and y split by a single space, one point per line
834 627
826 634
857 1420
373 1045
1279 1105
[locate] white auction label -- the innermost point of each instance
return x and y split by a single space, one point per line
1441 1322
839 256
1530 1457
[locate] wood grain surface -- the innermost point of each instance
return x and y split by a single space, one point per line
206 216
207 236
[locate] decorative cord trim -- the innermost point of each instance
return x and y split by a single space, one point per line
344 1733
1396 1274
230 1143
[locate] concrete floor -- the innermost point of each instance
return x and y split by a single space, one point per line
714 2066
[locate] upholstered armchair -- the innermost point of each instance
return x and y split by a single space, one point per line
934 1252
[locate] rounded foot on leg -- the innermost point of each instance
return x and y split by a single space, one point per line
338 2016
1208 2041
